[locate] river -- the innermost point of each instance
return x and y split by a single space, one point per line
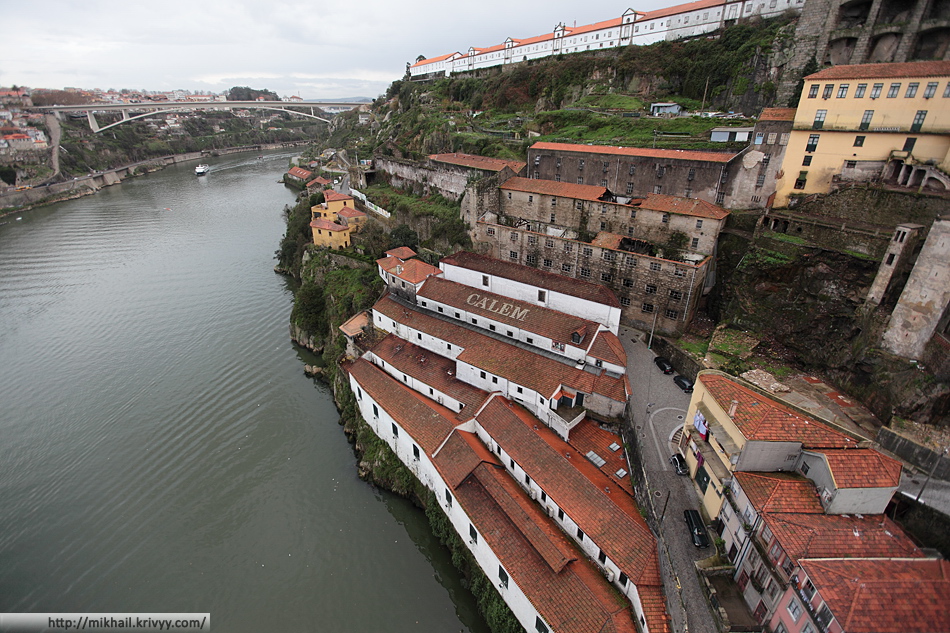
162 449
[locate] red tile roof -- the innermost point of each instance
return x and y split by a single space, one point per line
436 371
552 324
682 206
607 347
607 515
299 172
355 324
327 225
680 8
335 196
884 71
403 252
428 422
588 436
319 180
478 162
762 419
607 240
416 271
777 114
863 468
350 212
533 277
839 536
780 492
534 371
884 596
674 154
553 188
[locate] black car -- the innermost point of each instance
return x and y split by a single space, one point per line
679 464
663 364
684 383
696 528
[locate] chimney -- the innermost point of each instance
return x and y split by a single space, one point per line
732 408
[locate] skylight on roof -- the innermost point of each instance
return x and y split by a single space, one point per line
596 459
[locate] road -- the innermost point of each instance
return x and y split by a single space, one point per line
659 408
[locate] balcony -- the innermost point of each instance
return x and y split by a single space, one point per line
812 614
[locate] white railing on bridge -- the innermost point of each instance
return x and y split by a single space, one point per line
369 205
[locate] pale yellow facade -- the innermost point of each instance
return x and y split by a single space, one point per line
330 235
859 124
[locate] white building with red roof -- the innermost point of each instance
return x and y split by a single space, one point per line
631 28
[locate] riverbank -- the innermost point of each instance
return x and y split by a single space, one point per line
20 201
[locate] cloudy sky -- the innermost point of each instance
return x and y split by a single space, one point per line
317 50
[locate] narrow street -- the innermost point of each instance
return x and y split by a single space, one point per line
659 408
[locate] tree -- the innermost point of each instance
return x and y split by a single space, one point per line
402 235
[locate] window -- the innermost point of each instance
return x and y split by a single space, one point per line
946 91
491 231
485 280
512 255
812 144
842 91
646 307
566 268
783 139
609 255
860 90
580 535
532 239
655 266
930 90
813 91
580 181
629 261
760 180
794 610
800 181
657 189
415 452
866 120
772 137
859 141
513 236
606 277
557 177
628 283
579 205
672 314
472 533
676 295
876 90
850 164
893 90
539 625
824 617
632 170
666 218
819 121
624 301
375 411
911 90
720 197
622 579
651 289
580 164
602 557
826 93
503 577
585 272
548 263
587 251
448 498
699 224
395 430
679 272
606 166
560 515
530 198
568 247
918 121
759 137
629 189
694 244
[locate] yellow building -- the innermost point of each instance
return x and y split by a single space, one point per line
888 122
733 426
333 203
330 234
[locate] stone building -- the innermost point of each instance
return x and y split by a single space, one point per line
636 171
445 174
757 166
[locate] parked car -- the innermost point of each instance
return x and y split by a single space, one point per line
679 464
694 521
684 383
663 364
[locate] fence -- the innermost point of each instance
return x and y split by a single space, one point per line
369 205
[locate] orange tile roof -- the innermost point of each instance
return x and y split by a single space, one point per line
607 240
355 324
558 326
335 196
607 347
327 225
777 114
563 587
416 271
478 162
403 252
863 468
608 515
350 212
299 172
534 371
588 436
645 152
319 180
680 8
682 206
839 536
884 71
780 492
434 59
461 453
760 418
553 188
428 422
532 276
434 370
883 596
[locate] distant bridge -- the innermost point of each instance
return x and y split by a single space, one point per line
149 108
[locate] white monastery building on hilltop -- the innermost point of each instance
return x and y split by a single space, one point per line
631 28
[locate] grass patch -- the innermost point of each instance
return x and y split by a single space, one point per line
395 200
784 237
697 347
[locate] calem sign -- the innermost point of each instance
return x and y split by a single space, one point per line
492 305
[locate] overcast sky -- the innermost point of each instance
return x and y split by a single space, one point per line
317 50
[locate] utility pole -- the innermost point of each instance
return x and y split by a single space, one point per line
703 108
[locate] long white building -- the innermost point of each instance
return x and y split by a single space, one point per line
634 28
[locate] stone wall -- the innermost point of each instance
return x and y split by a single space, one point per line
916 454
424 178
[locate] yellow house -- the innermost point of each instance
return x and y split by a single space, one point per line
330 234
868 122
333 203
733 426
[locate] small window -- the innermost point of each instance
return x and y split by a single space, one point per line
622 579
448 498
893 91
812 93
666 218
395 430
930 90
472 533
806 161
415 452
842 91
651 289
860 90
911 90
876 90
859 141
580 535
503 577
646 307
655 266
540 626
694 244
826 93
699 224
